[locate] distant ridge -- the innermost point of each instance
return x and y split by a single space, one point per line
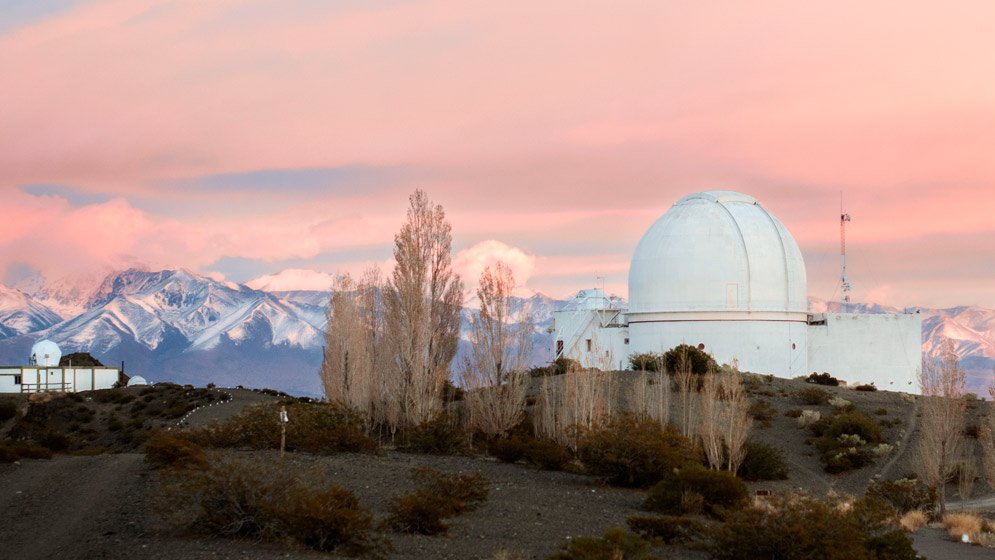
178 325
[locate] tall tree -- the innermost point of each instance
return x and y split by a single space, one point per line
423 301
941 434
494 370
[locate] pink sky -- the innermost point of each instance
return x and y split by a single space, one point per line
245 138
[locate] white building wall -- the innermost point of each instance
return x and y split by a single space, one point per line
595 338
883 349
105 377
7 378
769 347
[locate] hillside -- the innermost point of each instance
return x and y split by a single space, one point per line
528 513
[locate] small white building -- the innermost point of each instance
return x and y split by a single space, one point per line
44 374
720 272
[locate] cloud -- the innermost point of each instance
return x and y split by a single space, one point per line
471 262
293 279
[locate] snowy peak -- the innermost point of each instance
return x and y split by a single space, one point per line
21 314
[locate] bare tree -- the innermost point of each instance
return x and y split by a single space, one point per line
735 418
494 370
345 367
710 430
649 396
967 472
987 439
942 426
687 399
423 301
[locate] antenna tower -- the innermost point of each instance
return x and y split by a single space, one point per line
845 286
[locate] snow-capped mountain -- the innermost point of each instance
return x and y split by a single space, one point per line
181 326
20 313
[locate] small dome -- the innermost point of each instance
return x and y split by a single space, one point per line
717 251
45 353
136 381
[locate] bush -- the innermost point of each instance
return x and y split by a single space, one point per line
8 409
633 453
719 491
823 379
11 451
439 436
972 431
914 520
959 524
804 528
701 362
617 544
313 428
809 418
763 413
647 361
793 413
667 528
437 496
265 500
560 366
904 495
867 387
763 462
164 449
509 450
812 396
852 422
548 455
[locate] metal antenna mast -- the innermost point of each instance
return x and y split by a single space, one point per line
844 283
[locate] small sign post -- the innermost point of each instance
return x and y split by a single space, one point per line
284 419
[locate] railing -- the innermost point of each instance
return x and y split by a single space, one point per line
51 387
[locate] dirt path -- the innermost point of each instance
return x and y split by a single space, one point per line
933 544
63 508
219 411
902 447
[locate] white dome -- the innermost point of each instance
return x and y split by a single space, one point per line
717 251
45 353
136 381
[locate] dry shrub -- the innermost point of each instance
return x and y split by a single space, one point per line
617 544
633 453
442 435
800 528
437 496
808 417
813 396
719 491
959 524
667 528
904 495
164 449
263 499
11 451
914 520
320 428
763 462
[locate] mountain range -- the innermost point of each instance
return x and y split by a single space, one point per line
180 326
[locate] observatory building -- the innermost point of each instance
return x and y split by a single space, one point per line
720 272
46 372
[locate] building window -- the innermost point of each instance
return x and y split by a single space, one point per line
627 341
589 345
559 346
17 380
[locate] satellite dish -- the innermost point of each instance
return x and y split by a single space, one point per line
45 353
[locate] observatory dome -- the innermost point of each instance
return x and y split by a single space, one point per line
45 353
137 381
717 251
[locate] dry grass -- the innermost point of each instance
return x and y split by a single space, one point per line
959 524
913 521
